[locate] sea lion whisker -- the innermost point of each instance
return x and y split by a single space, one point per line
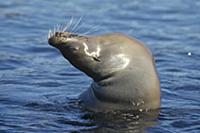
49 34
65 27
68 24
77 24
61 28
57 28
78 28
93 29
54 31
76 31
88 32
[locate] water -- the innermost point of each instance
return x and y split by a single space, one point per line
39 89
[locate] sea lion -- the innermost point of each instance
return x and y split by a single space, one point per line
122 68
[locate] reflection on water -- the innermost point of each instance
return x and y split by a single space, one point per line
122 121
39 90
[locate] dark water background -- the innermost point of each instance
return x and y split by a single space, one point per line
39 89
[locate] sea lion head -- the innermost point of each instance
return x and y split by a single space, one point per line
97 56
71 45
79 51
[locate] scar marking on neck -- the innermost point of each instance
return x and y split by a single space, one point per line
92 54
124 59
119 62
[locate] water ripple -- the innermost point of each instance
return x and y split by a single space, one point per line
39 89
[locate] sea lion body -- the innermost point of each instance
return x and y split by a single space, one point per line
123 70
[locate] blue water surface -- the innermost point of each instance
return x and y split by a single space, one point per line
39 89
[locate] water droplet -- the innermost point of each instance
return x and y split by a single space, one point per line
189 53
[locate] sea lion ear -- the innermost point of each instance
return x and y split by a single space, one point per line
96 58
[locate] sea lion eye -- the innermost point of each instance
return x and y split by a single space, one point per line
97 59
73 48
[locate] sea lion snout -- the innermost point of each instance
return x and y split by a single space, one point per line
60 34
66 35
59 38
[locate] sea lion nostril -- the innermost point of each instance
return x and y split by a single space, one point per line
57 34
